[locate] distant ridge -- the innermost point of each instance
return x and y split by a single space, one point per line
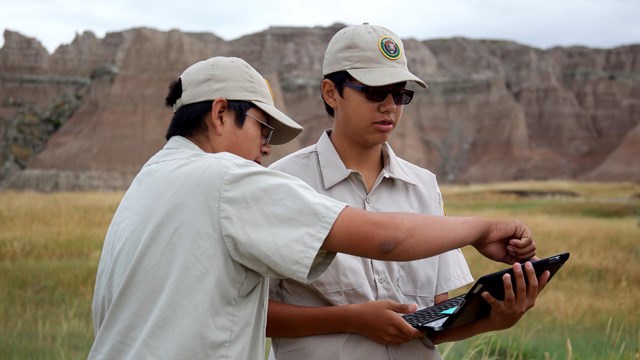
90 114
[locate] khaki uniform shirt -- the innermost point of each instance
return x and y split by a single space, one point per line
401 186
183 270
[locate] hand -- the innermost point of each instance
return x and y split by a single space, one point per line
504 314
507 241
380 321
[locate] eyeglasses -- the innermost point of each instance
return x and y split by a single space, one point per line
263 125
379 93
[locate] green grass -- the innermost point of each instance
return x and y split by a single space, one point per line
47 317
50 246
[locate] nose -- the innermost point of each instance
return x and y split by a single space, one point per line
266 150
388 104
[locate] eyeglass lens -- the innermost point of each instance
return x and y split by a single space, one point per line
263 126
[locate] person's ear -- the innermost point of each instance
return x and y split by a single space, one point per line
217 120
329 92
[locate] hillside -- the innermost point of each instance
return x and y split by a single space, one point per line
90 114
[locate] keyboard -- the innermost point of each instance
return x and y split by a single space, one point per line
439 312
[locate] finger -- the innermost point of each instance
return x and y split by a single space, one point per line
493 302
394 334
532 286
525 232
522 243
402 308
521 285
403 331
543 280
410 332
509 296
522 246
522 253
519 249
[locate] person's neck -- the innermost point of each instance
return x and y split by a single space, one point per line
203 142
367 160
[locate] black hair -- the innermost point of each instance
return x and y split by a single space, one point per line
190 119
338 78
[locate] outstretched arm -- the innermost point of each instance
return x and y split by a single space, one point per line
405 236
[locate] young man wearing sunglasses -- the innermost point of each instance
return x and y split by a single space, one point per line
353 309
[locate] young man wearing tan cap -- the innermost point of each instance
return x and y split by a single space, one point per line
182 274
353 309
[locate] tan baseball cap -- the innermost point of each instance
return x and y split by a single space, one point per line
372 54
234 79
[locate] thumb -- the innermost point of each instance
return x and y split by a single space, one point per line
404 308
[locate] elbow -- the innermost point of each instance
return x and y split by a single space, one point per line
387 248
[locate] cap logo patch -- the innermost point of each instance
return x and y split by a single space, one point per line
389 48
270 91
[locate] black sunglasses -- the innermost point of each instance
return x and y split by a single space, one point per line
379 93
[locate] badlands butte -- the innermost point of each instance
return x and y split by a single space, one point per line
89 115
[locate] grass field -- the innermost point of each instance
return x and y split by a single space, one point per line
50 246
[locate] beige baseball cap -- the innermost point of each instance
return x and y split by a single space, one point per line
234 79
372 54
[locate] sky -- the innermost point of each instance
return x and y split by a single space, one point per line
539 23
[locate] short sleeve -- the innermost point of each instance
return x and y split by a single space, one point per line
274 223
453 271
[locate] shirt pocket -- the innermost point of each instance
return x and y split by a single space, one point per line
417 279
344 274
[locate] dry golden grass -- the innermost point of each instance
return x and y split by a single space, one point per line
591 305
46 226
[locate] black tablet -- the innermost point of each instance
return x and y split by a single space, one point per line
471 306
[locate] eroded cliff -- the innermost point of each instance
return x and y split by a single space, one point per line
90 114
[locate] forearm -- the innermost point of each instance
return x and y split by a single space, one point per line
286 320
402 236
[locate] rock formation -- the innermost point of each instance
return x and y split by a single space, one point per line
90 114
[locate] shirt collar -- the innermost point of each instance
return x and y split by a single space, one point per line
334 170
179 142
394 167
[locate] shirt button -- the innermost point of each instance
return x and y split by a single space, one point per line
368 200
380 279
